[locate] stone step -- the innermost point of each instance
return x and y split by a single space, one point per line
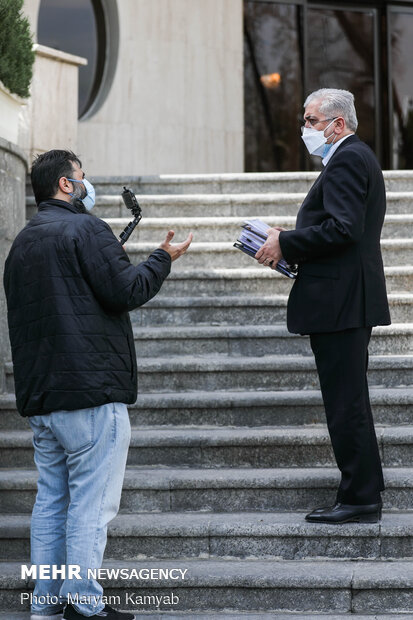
245 489
238 310
318 586
254 280
142 615
244 309
205 228
257 373
275 535
269 408
228 183
12 615
395 180
391 406
228 447
247 340
228 228
198 205
183 373
214 183
218 205
222 254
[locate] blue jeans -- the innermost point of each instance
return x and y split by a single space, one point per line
81 457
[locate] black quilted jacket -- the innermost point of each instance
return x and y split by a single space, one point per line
69 286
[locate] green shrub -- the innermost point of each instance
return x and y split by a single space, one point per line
16 54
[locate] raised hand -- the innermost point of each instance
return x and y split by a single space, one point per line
176 250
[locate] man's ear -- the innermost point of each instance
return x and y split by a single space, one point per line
65 186
340 124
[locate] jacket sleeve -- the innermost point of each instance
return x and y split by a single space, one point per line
345 187
116 283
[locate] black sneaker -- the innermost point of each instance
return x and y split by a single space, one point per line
107 613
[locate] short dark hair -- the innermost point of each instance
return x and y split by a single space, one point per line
47 169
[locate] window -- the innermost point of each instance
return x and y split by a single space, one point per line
401 86
80 27
273 95
340 54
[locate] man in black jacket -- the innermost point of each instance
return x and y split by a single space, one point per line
69 287
340 293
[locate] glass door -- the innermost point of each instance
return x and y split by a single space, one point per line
342 53
400 46
292 47
273 86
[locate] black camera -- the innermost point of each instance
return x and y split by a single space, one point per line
131 203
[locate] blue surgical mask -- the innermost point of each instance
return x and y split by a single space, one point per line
89 199
326 149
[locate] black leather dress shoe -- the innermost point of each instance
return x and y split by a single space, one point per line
346 513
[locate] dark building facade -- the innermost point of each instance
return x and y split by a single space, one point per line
294 47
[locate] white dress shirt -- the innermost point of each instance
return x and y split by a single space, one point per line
333 149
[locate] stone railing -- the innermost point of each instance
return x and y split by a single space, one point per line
50 120
13 169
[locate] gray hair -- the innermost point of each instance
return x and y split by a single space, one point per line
335 102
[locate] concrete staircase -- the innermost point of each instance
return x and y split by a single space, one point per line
229 447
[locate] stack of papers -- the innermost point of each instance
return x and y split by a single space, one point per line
253 236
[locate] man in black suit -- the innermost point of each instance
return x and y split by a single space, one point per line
340 293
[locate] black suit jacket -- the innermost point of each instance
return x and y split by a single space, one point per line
336 245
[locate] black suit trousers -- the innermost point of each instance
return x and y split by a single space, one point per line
342 359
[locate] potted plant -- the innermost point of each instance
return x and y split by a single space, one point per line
16 65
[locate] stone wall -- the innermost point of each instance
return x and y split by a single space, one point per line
13 170
176 103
